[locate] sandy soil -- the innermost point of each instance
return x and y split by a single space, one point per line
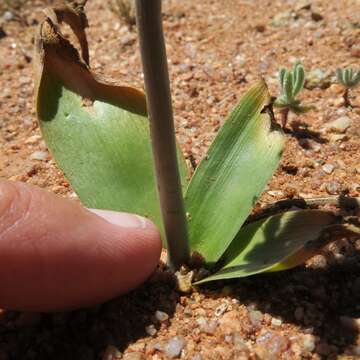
215 50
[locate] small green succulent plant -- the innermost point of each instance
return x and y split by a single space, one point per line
291 82
349 79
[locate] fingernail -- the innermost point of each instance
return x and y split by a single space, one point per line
123 219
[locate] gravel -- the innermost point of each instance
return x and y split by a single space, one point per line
133 356
328 168
161 316
256 317
339 125
174 347
39 155
150 330
309 342
221 309
8 16
276 322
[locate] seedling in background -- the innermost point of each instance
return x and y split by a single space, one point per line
104 148
291 83
349 79
124 10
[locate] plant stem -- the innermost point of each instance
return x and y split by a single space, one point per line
346 98
341 201
157 86
284 117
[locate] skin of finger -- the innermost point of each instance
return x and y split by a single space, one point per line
56 255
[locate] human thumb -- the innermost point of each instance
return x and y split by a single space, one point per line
57 255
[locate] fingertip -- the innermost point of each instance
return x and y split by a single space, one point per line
153 243
56 255
143 240
124 219
137 253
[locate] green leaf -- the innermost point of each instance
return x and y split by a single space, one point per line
299 76
356 78
233 174
282 73
339 76
288 87
347 77
276 243
98 133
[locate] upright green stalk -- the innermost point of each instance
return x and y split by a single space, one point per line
157 86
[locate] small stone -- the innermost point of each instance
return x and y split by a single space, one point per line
339 102
336 89
184 281
239 342
73 195
228 339
264 337
299 313
315 147
275 193
230 323
240 60
318 78
150 330
207 327
8 16
174 347
221 309
278 345
128 39
161 316
159 346
328 168
137 347
309 343
32 140
276 322
133 356
256 317
302 5
319 262
282 19
262 352
355 51
332 187
196 357
39 155
339 125
27 121
338 137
